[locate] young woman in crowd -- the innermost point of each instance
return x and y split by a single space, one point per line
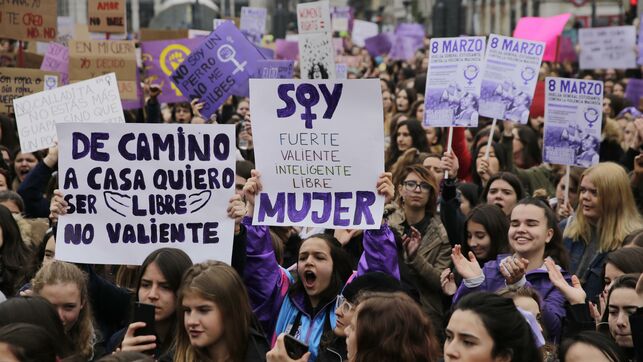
590 346
15 257
404 98
303 304
26 342
215 320
558 202
533 237
23 163
504 190
407 134
622 302
606 214
484 168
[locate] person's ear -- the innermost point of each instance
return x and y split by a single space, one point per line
550 235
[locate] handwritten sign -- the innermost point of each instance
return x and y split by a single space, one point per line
94 100
135 188
316 48
313 17
91 58
609 47
309 147
341 17
106 16
57 60
573 116
253 23
65 32
28 19
223 63
453 81
275 69
509 80
20 82
161 58
546 30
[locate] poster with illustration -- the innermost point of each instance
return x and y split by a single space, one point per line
316 54
509 79
573 115
453 82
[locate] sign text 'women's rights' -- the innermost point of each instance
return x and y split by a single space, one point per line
134 188
218 68
318 147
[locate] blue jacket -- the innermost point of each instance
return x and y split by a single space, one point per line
553 302
268 284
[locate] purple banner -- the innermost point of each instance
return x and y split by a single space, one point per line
57 59
634 91
379 44
160 59
275 69
403 48
285 49
267 53
218 68
411 30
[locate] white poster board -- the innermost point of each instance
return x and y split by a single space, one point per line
94 100
135 188
316 51
363 30
609 47
319 147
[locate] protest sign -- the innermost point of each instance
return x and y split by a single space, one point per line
57 60
310 149
275 69
545 30
341 71
160 59
363 30
28 20
509 79
414 31
573 116
453 81
353 61
65 32
341 17
313 17
20 82
285 49
253 23
221 65
379 44
134 188
317 56
162 34
634 91
403 48
640 43
90 101
91 58
609 47
106 16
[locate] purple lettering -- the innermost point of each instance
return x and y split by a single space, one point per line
297 215
332 99
270 210
339 209
307 96
363 200
290 106
325 197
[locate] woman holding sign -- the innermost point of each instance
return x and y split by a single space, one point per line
303 305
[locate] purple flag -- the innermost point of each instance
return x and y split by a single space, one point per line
379 44
285 49
218 68
161 58
414 31
275 69
634 91
403 48
57 59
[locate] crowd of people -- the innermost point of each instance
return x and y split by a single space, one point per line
481 255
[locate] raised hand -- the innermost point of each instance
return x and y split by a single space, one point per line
449 163
58 206
466 268
513 268
279 353
236 210
385 186
483 170
573 293
411 243
138 343
447 282
250 189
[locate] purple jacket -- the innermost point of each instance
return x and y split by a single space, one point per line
268 282
552 306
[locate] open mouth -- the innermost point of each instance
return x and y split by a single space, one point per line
309 279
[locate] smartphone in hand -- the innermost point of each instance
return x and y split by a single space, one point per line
294 347
144 313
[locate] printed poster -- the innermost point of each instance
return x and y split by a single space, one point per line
609 47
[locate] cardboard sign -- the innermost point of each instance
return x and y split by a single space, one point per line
57 60
609 47
91 58
545 30
253 23
160 59
162 34
29 19
134 188
106 16
309 147
220 66
20 82
90 101
573 117
65 32
510 74
453 81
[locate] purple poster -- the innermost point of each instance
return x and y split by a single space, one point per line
634 91
285 49
403 48
275 69
218 68
160 59
411 30
267 53
57 59
379 44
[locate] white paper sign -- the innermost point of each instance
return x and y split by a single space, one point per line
509 79
609 47
341 70
316 53
453 82
253 23
314 17
94 100
135 188
310 149
573 118
363 30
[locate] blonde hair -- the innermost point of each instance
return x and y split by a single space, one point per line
618 213
82 332
217 282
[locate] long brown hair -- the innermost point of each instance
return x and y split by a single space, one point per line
219 283
391 327
425 176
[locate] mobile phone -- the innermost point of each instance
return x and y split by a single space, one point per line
294 347
144 313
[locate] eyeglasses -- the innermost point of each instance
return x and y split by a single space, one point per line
413 185
343 305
